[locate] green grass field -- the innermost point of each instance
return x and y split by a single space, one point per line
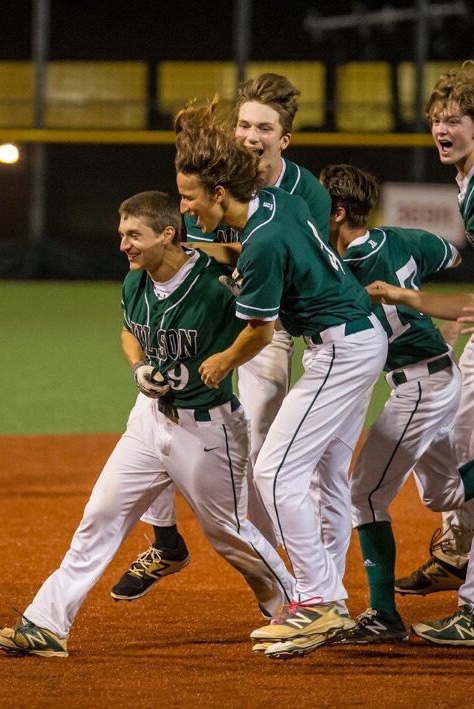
62 370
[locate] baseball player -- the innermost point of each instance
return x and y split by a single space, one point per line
262 121
286 270
450 113
457 628
176 315
416 426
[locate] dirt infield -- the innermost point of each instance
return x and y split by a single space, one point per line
186 643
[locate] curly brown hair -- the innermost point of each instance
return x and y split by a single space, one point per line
356 190
272 90
454 87
205 147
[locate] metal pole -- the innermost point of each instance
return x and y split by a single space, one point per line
40 32
421 55
242 36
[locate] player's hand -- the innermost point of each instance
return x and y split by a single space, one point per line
213 370
149 380
468 317
381 292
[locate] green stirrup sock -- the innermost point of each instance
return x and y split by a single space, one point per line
378 553
466 472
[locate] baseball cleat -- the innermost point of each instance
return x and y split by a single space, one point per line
446 568
433 576
300 618
30 639
372 626
261 647
148 568
456 629
300 646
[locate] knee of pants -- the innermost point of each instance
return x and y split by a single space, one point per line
367 509
440 504
220 537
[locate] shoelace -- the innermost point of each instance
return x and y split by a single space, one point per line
454 540
366 616
293 607
27 621
140 565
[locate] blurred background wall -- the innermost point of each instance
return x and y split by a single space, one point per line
88 91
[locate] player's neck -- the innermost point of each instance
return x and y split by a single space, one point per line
235 213
172 262
345 236
274 172
465 165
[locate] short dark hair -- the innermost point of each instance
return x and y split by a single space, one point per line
158 208
356 190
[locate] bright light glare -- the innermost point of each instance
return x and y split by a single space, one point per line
9 153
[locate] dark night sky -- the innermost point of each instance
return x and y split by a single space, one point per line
153 30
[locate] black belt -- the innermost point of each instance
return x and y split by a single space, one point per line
432 367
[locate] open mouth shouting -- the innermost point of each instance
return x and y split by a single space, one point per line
445 146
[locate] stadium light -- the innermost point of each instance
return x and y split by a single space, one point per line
9 153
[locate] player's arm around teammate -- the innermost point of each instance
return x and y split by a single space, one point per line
191 434
262 121
289 272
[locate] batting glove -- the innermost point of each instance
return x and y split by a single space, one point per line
149 380
233 285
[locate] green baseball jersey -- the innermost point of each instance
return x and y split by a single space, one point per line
287 270
467 210
295 180
179 332
402 257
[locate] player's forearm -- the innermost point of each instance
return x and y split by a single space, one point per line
253 338
223 253
131 348
448 306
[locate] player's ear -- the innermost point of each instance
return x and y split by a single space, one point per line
169 234
285 141
339 214
219 193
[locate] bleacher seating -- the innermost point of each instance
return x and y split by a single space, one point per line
179 82
364 97
16 94
107 95
96 95
78 95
